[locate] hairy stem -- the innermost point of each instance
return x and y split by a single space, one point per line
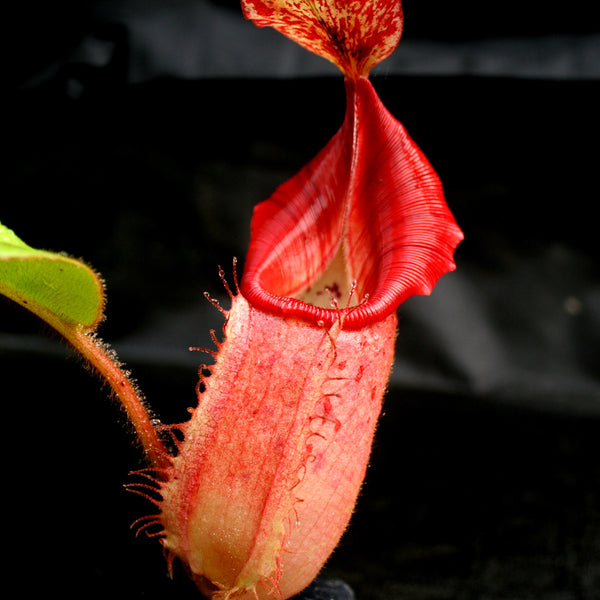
105 362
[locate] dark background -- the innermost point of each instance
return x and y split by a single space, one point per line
141 134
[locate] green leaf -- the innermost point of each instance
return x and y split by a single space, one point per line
59 289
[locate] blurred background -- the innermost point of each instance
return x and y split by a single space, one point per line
140 136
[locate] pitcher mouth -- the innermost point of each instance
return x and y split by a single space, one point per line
361 228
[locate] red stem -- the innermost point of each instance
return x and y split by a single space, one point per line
104 361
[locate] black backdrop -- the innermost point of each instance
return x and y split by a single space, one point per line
140 135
